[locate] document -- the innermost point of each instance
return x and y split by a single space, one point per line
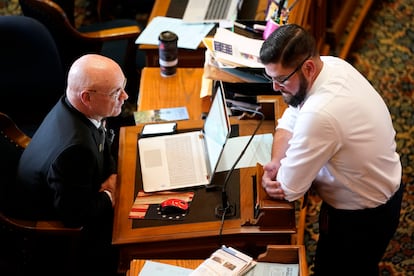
225 261
189 35
274 269
233 49
258 151
159 269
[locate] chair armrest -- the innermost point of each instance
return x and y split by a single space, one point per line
127 32
41 227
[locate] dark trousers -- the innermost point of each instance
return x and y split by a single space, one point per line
352 242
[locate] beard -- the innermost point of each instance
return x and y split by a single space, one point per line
299 97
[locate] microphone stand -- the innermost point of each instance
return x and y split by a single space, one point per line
226 209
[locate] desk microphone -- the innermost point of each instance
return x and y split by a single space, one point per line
226 209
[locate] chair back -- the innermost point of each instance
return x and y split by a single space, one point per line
12 143
70 42
31 74
114 38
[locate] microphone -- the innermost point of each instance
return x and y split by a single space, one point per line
226 209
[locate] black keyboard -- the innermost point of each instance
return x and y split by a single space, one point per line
217 9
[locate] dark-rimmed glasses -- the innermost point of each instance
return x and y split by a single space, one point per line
281 81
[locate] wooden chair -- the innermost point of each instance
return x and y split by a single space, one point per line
115 38
24 238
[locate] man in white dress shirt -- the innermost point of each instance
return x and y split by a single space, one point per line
337 137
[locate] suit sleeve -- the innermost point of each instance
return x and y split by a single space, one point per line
75 177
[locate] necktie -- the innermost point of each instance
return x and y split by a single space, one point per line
102 131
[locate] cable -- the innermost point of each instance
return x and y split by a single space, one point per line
226 209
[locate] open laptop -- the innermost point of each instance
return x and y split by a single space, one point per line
207 11
187 159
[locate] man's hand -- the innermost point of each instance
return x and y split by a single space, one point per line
269 183
110 186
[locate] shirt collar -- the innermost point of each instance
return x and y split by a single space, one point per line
95 122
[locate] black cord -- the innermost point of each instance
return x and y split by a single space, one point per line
226 206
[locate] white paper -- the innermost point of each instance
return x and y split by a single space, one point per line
189 35
274 269
259 151
151 268
238 50
226 261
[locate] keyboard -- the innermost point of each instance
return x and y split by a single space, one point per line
217 9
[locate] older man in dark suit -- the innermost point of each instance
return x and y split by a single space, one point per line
67 171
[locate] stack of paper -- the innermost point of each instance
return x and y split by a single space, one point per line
225 261
232 57
231 49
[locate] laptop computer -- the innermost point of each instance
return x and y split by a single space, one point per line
208 11
188 159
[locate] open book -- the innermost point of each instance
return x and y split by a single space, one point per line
225 261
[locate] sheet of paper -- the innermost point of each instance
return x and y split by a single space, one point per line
189 35
274 269
259 151
159 269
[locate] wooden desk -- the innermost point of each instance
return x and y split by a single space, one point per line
183 89
326 20
189 240
200 238
288 254
186 57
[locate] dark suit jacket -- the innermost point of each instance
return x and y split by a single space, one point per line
62 169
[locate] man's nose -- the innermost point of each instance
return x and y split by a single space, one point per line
276 86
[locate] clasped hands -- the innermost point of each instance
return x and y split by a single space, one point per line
269 183
110 186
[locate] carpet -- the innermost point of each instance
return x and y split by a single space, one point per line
383 51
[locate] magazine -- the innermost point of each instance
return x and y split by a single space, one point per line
161 115
225 261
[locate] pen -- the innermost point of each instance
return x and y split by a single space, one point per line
244 27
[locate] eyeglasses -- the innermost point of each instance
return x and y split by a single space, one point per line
115 94
281 81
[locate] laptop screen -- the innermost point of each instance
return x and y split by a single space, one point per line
216 127
199 11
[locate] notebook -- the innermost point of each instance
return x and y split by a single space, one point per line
187 159
203 11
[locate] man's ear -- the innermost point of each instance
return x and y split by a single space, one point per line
85 97
309 68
